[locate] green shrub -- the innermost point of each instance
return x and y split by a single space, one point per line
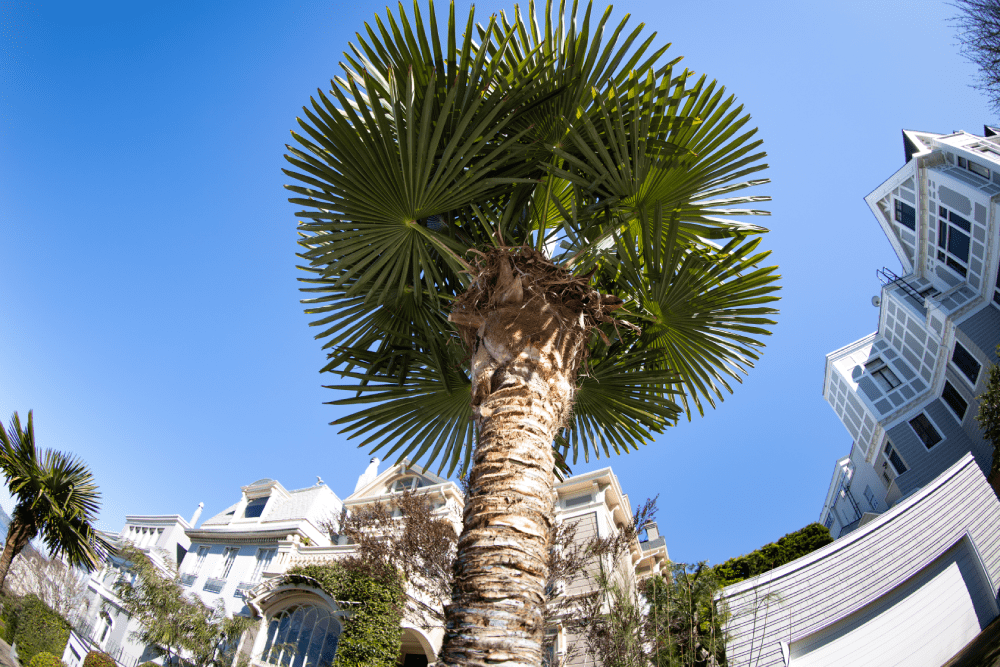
149 664
372 633
35 627
98 659
46 659
788 548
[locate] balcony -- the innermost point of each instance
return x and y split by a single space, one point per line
213 585
188 579
243 588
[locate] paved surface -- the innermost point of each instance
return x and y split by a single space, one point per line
5 657
983 651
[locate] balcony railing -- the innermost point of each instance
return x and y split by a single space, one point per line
242 588
188 579
213 585
88 633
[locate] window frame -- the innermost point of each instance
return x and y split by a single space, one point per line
979 367
957 396
949 223
226 565
901 215
870 497
273 644
889 451
200 557
933 427
258 569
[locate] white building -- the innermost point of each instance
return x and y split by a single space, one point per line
102 624
911 587
241 554
906 393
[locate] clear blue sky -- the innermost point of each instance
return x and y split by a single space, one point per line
150 309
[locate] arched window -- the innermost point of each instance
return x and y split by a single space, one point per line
411 483
302 635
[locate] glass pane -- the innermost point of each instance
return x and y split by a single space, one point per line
942 233
308 625
958 245
316 645
272 629
954 400
329 649
958 268
966 363
281 638
960 221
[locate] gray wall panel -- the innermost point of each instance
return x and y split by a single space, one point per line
839 579
983 331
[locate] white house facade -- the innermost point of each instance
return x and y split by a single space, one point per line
907 393
241 555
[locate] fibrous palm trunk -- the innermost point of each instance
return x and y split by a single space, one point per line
526 323
18 535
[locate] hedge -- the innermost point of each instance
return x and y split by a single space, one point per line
788 548
98 659
46 659
372 634
35 627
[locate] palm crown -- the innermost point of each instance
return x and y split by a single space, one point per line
54 496
590 148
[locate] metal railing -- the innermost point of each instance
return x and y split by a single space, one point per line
87 631
188 579
214 585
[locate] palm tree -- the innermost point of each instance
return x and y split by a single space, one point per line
54 496
517 238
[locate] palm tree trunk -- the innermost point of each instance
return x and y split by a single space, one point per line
18 535
524 371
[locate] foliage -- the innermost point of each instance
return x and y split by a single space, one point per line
46 659
978 23
788 548
404 534
172 620
156 600
989 413
60 587
34 626
98 659
577 139
372 634
683 619
149 663
612 619
54 496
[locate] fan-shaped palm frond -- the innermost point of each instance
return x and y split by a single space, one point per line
580 140
54 496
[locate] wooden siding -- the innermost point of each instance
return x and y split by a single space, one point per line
822 588
926 464
983 331
922 623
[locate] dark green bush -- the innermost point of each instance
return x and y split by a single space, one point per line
788 548
149 664
35 627
46 659
372 633
98 659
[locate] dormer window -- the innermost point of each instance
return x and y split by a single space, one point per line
255 508
411 483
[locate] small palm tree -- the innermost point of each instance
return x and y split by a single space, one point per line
54 496
517 237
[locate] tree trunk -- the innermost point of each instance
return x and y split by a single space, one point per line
525 356
18 535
